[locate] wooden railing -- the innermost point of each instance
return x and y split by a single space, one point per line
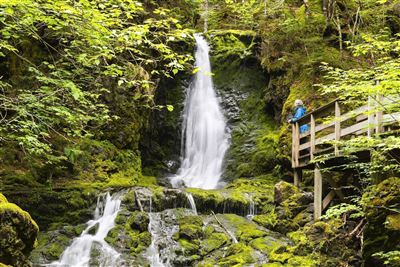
328 126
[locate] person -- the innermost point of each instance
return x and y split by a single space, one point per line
299 111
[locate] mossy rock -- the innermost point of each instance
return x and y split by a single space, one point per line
190 231
378 202
93 229
213 241
139 221
244 230
18 232
191 219
267 244
189 247
284 190
267 220
237 255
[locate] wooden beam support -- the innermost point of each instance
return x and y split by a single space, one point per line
328 199
317 192
298 174
336 189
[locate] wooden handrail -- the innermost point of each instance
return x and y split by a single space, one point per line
304 145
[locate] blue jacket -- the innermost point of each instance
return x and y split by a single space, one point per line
298 113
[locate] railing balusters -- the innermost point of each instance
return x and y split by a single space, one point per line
337 127
312 137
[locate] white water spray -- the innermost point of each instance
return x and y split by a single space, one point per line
78 253
162 249
192 203
204 135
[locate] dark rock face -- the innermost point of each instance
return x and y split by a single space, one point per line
46 206
18 234
161 138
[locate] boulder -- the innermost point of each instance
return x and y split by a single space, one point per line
284 191
18 232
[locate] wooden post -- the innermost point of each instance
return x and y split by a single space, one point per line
317 192
297 144
297 173
370 117
337 127
293 145
312 137
378 117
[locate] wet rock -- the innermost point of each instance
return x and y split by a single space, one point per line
93 229
18 232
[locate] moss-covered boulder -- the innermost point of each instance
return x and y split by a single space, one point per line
18 232
139 221
283 191
237 255
382 232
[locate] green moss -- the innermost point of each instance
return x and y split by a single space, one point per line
14 209
57 247
244 230
189 247
284 191
208 230
3 199
237 255
266 244
303 261
393 222
191 219
18 233
213 241
267 220
190 231
377 203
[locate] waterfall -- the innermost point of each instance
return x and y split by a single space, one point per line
204 132
252 208
192 203
78 253
153 254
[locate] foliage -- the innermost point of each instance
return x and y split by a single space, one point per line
337 211
379 82
64 58
230 14
391 258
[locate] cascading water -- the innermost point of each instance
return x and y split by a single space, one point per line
192 203
161 236
78 253
204 132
